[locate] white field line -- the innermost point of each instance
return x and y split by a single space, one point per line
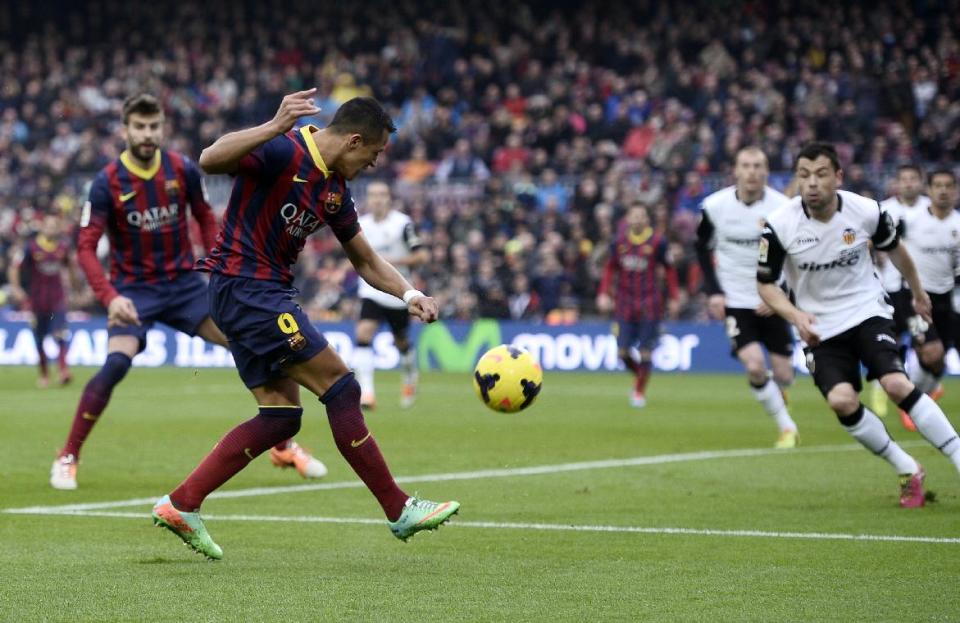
536 470
497 525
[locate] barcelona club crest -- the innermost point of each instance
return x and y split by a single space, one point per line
171 186
296 342
332 203
849 236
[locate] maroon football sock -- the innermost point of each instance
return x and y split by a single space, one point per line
358 447
234 452
42 359
62 355
643 375
283 445
94 400
631 364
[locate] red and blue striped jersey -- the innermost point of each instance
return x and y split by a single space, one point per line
640 264
144 213
43 262
283 192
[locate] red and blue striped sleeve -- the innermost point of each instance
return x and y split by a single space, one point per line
268 160
199 204
93 222
344 223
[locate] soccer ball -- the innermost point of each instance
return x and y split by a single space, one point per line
507 379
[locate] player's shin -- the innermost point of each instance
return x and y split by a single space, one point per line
358 447
94 400
408 366
771 398
234 452
933 424
864 426
924 378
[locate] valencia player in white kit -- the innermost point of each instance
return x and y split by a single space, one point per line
932 236
392 234
821 241
730 224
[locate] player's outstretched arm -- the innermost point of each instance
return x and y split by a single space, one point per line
777 300
904 263
226 152
383 276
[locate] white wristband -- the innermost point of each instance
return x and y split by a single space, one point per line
411 294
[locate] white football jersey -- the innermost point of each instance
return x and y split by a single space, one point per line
889 275
736 235
828 265
934 245
394 238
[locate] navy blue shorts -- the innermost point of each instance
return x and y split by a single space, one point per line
644 334
180 304
49 323
265 326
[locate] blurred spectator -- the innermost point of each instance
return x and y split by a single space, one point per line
462 164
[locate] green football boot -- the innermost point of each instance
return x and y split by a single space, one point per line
187 526
422 515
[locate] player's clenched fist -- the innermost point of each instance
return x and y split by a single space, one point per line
292 107
424 307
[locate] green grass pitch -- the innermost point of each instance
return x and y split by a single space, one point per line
753 539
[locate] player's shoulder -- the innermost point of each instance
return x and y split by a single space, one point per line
101 181
399 218
774 197
857 202
786 216
180 159
720 198
953 218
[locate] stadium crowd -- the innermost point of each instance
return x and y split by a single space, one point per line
524 131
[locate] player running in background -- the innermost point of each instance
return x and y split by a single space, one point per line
821 239
730 226
392 234
640 265
932 236
908 200
43 260
140 200
288 184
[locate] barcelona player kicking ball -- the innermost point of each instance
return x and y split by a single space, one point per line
289 183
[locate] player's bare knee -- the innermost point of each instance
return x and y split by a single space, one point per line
896 385
365 331
843 399
931 358
756 372
783 378
402 344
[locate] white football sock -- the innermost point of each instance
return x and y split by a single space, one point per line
408 364
923 379
873 435
772 400
363 366
936 428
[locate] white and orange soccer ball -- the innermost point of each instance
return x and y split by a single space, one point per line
507 379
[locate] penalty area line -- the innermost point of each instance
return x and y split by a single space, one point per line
551 527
